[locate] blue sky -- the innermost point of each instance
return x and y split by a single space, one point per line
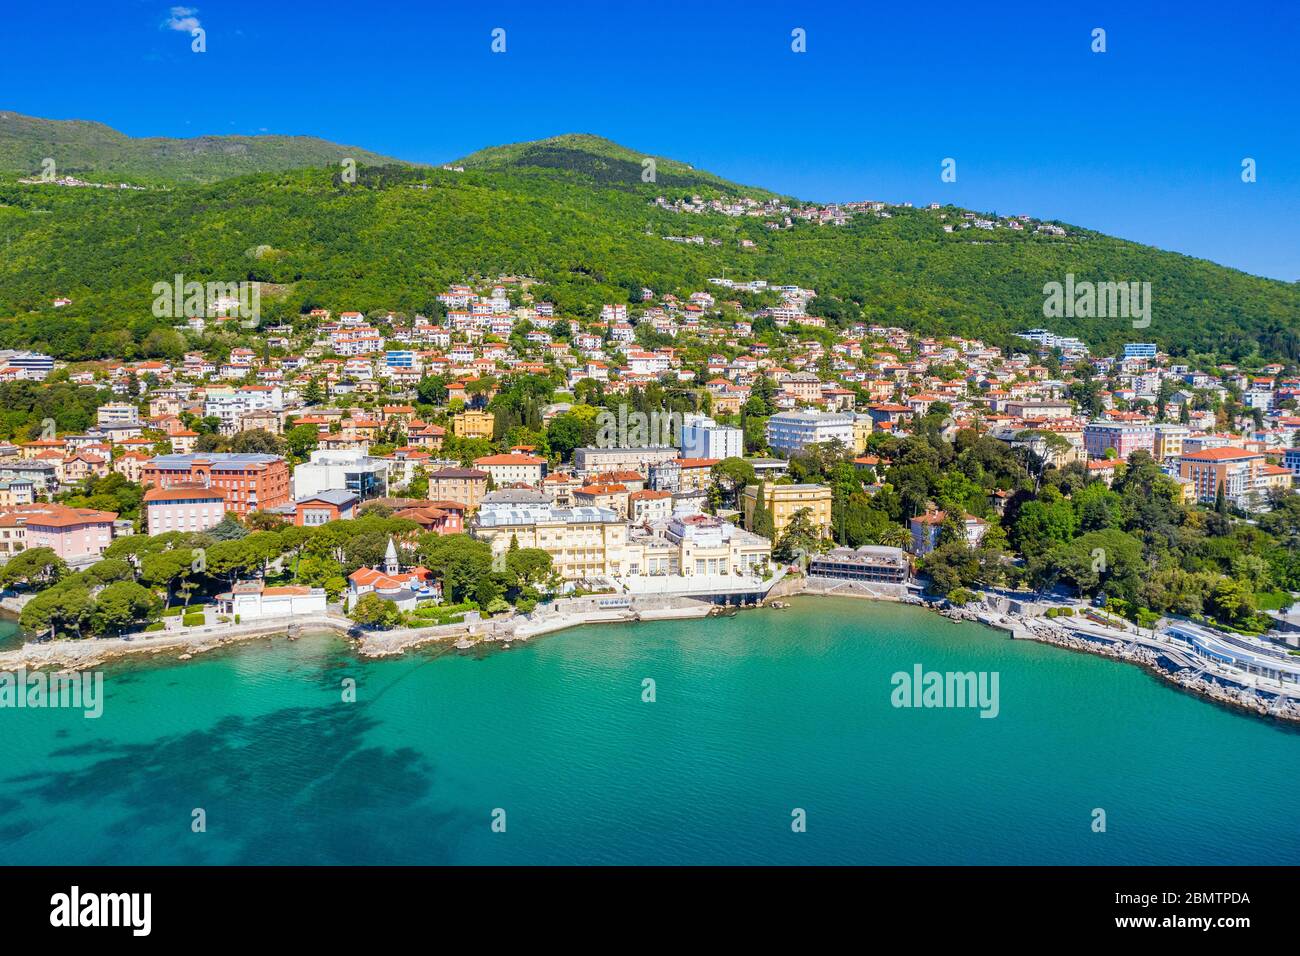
1144 141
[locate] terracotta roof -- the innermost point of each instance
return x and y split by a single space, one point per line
1220 454
509 460
55 515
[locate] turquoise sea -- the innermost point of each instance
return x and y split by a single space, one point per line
754 716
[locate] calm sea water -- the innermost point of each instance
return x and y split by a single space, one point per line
755 715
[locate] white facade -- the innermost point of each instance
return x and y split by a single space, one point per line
343 470
702 437
791 432
253 605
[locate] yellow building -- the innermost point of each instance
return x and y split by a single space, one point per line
784 500
596 543
1169 441
861 432
702 545
582 542
472 424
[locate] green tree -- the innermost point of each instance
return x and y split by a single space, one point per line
60 609
373 611
123 606
731 475
528 566
35 568
800 535
761 521
460 562
301 440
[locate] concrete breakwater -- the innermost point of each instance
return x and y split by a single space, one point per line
1173 665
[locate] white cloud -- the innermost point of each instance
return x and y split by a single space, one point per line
182 19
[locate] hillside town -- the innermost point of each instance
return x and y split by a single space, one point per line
412 469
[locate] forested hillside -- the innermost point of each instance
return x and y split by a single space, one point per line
99 153
574 213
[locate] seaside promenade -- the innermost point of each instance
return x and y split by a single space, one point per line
1247 672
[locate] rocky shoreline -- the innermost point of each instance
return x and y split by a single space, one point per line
1037 629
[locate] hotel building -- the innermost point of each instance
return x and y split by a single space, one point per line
74 534
784 501
249 482
1124 437
1239 472
791 432
183 508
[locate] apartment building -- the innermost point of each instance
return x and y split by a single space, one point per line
465 485
117 413
1039 411
649 505
509 469
250 482
614 497
1124 437
791 432
783 501
1169 440
74 534
592 460
1239 472
702 437
183 508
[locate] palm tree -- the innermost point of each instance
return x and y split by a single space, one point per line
895 536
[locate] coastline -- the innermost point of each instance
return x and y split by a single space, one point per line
567 613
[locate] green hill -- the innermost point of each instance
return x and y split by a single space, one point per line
97 152
596 159
574 213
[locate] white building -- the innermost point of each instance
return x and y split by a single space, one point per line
117 413
252 601
702 437
509 469
341 470
791 432
232 405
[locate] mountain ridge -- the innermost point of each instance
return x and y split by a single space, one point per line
87 147
574 212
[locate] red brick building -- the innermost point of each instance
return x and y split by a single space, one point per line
249 482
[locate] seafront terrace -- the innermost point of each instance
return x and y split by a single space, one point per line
719 588
1239 652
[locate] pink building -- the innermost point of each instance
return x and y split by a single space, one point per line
1124 437
183 507
72 533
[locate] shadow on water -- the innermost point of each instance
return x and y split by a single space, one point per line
297 785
